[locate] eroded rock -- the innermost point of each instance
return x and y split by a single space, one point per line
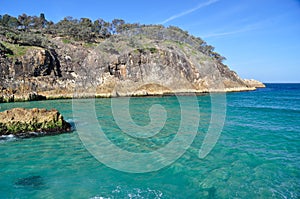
115 67
254 83
23 122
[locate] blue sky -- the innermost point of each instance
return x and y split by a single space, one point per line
259 38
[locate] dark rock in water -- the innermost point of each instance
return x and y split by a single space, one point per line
31 181
35 97
34 122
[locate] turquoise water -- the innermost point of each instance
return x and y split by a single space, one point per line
256 156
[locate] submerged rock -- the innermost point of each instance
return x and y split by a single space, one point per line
32 122
31 181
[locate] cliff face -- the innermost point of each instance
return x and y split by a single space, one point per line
120 66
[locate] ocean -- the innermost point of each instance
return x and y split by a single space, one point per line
253 151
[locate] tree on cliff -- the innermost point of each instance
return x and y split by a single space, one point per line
85 30
24 21
117 25
101 28
9 21
89 31
39 22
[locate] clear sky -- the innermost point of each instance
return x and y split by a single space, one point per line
259 38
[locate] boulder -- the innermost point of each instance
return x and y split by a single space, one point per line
22 122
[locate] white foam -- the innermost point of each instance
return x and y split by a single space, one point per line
125 192
5 138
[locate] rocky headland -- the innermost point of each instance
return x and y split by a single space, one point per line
34 122
126 60
254 83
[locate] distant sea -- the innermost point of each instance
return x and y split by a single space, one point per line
257 154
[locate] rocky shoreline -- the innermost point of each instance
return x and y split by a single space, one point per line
24 123
140 93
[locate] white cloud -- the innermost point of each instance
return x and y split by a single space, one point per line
246 28
207 3
220 34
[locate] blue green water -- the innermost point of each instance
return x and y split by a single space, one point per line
256 156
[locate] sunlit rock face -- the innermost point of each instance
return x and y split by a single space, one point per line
22 122
123 65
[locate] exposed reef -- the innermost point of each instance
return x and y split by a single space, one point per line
34 122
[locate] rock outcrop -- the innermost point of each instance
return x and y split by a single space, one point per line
22 122
119 66
254 83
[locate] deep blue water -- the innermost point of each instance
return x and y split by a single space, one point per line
256 156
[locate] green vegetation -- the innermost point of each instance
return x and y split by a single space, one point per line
153 50
17 50
66 41
5 50
19 127
89 45
33 31
34 120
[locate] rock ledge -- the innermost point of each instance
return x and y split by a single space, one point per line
254 83
34 122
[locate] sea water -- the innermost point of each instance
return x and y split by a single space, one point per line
256 156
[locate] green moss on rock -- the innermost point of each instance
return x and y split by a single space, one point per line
22 122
